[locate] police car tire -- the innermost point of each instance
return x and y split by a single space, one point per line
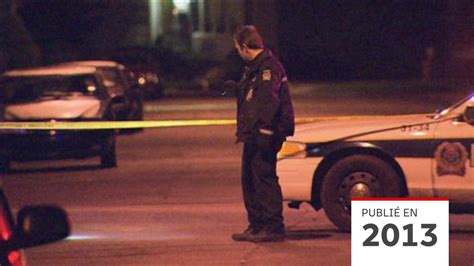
108 156
386 184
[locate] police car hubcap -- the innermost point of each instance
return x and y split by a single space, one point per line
360 190
357 185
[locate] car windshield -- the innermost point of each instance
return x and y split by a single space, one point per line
445 111
112 76
27 89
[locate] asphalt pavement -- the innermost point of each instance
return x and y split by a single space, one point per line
175 198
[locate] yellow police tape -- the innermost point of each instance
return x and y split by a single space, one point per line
95 125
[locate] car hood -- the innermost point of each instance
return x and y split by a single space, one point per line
360 128
64 108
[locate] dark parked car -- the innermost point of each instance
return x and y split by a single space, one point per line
36 225
57 94
147 79
115 77
144 68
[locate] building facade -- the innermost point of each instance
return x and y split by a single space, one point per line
205 27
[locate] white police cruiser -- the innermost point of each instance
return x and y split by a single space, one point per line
329 163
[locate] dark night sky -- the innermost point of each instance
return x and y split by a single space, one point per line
52 21
332 40
361 39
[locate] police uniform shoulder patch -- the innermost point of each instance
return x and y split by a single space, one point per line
451 159
266 74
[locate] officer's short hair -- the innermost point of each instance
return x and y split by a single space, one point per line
248 35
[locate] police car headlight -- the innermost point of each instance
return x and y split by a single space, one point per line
292 149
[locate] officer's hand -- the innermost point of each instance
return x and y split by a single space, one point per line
230 86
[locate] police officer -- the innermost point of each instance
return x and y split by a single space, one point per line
264 119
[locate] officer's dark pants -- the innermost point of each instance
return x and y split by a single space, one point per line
261 190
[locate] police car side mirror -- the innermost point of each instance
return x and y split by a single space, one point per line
39 225
469 115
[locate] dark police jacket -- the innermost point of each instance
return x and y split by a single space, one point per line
263 100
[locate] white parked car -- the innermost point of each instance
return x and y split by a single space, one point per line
58 93
329 163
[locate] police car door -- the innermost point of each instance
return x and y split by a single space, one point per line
453 162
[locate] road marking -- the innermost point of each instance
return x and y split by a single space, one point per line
95 125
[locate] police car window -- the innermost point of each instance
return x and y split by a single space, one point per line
445 111
30 89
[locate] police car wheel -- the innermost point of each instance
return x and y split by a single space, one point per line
356 176
108 156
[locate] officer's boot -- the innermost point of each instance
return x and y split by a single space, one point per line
247 234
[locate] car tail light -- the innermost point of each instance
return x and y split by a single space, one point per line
14 257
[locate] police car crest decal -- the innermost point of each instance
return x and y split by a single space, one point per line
451 159
266 74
